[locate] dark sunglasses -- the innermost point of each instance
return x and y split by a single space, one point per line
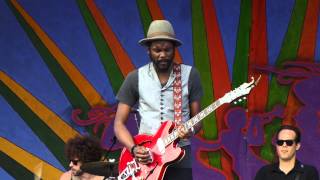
288 142
74 162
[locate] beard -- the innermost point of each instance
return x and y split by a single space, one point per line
162 66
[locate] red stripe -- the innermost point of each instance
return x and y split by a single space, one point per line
228 162
306 52
155 10
258 55
307 46
218 61
219 68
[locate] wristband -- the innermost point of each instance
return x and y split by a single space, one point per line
132 149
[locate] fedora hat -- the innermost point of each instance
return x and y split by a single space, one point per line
160 30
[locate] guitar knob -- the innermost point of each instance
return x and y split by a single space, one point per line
240 100
244 98
235 102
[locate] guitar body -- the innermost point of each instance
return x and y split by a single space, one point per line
163 156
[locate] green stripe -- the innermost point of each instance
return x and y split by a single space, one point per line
145 15
214 158
240 66
278 93
288 52
109 63
202 62
71 91
267 151
13 168
46 135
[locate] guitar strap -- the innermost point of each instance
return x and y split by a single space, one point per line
177 94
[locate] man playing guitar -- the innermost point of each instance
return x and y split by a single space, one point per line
161 94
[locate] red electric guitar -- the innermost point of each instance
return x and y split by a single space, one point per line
162 145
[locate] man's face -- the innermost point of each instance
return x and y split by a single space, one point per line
285 151
161 54
75 167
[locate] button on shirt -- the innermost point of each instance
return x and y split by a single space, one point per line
156 99
272 172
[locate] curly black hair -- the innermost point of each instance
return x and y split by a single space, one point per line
84 148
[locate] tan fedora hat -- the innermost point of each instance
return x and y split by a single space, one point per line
160 30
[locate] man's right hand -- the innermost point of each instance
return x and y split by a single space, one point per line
142 155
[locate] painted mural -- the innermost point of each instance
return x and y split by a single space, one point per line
62 63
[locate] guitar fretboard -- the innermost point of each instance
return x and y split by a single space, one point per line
192 122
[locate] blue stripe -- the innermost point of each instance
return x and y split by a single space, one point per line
228 12
179 14
278 18
124 19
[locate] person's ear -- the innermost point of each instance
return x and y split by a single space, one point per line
298 146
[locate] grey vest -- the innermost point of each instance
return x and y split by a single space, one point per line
156 102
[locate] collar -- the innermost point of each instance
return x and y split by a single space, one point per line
298 167
154 75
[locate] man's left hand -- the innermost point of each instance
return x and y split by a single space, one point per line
183 133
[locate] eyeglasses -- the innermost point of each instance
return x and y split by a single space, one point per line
288 142
74 162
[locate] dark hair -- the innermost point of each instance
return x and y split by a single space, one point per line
85 148
293 128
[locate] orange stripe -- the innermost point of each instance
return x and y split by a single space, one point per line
155 9
35 165
292 108
218 60
258 55
307 46
53 121
156 14
118 52
79 80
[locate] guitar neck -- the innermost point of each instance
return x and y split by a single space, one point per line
192 122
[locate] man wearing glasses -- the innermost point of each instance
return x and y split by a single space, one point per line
80 150
287 167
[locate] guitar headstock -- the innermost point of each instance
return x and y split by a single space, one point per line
241 91
130 171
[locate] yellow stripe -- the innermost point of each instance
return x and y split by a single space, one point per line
61 128
29 161
87 90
